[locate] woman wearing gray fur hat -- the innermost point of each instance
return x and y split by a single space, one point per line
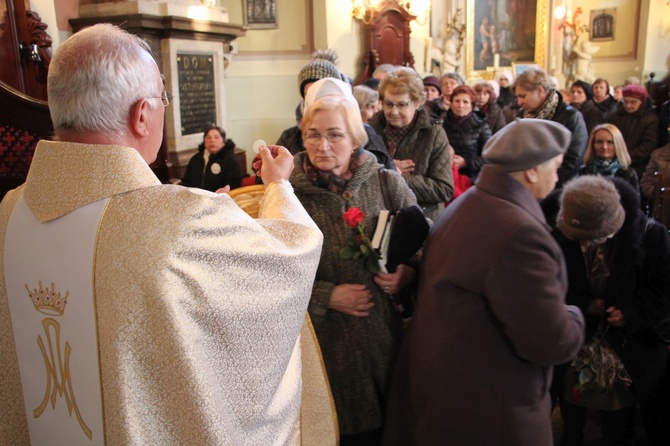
618 265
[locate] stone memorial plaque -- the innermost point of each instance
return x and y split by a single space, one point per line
197 98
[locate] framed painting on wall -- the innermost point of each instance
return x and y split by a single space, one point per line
260 14
614 29
602 26
514 30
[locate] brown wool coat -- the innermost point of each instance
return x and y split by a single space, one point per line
476 364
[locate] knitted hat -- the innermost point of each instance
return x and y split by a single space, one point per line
526 143
322 64
329 86
634 91
433 82
588 90
590 209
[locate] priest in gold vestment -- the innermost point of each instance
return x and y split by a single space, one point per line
135 313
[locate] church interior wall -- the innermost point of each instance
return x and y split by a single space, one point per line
261 88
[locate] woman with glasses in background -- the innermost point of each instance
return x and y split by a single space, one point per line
358 329
419 147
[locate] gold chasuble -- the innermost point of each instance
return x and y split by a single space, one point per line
135 313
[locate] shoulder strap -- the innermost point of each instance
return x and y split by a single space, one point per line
386 193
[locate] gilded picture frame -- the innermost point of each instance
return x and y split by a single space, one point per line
516 30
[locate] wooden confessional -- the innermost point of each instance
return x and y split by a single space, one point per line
387 38
25 55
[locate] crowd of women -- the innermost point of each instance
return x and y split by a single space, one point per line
429 134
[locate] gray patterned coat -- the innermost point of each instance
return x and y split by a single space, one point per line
359 353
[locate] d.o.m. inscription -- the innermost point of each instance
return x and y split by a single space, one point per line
197 98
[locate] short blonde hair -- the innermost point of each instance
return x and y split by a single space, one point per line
620 148
403 80
349 111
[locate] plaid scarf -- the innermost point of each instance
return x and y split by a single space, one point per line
326 180
547 109
393 135
599 166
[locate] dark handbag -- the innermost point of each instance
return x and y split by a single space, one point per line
408 233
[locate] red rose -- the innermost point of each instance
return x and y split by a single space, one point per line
576 394
353 217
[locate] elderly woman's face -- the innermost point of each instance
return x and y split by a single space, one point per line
369 110
461 105
603 145
631 105
328 143
399 109
448 84
214 141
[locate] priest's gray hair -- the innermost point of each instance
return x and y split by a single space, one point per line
97 76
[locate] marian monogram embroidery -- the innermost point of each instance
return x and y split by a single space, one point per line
56 359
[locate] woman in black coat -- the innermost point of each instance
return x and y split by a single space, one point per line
215 165
625 288
467 130
638 122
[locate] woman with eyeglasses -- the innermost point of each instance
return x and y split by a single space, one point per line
215 166
358 329
419 147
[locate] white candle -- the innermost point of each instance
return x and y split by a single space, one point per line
496 60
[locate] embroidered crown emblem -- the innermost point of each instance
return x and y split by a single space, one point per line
48 301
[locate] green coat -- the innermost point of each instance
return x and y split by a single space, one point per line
427 145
